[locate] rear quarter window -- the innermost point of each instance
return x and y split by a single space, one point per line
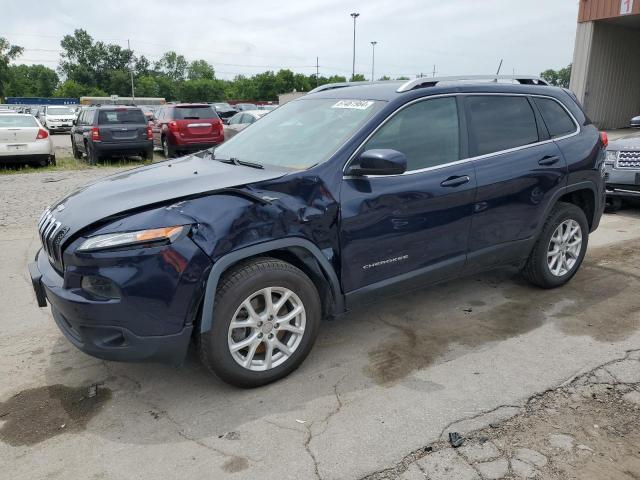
193 113
499 123
558 121
110 117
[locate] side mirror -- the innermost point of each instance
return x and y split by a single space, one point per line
74 121
379 162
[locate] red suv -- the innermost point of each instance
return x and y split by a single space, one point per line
185 127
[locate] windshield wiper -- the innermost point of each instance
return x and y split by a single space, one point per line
236 161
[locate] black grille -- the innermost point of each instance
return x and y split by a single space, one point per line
51 234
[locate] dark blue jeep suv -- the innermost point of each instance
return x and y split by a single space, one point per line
348 193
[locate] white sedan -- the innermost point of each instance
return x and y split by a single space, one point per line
24 140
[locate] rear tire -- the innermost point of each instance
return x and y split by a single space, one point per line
270 328
147 154
167 149
77 154
558 253
92 156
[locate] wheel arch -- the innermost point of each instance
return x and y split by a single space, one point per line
300 252
583 194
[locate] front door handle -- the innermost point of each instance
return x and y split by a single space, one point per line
548 160
455 181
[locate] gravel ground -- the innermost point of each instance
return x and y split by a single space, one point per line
23 197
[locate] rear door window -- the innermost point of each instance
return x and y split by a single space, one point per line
555 117
193 113
498 122
112 117
427 133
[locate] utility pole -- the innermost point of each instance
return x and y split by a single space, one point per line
133 92
434 71
353 69
317 71
500 66
373 60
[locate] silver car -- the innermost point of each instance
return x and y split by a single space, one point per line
622 168
242 120
24 140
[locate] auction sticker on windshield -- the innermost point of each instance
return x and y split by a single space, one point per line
356 104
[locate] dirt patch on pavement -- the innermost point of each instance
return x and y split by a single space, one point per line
601 302
588 430
37 414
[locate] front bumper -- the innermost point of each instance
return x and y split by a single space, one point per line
132 328
622 182
59 126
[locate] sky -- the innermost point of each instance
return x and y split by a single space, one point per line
251 36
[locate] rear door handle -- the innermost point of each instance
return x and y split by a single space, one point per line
455 181
548 160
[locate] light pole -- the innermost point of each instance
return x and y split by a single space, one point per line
373 59
353 70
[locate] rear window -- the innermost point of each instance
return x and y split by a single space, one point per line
193 113
107 117
555 117
499 123
16 121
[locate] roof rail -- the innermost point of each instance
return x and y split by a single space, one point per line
430 82
331 86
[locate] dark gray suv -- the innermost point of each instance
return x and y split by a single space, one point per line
105 131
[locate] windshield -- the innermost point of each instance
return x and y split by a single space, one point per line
299 134
17 121
59 111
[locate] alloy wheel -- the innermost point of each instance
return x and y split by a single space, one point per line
564 247
266 329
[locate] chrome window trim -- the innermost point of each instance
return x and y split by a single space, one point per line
463 160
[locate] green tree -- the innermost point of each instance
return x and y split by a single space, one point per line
199 70
402 78
358 77
31 81
384 77
558 78
147 86
201 90
8 52
71 88
173 66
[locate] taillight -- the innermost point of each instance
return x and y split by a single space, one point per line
149 133
173 126
219 126
95 134
42 134
604 139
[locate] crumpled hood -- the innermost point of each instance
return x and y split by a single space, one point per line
629 142
152 184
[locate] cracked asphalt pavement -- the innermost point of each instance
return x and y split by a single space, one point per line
542 384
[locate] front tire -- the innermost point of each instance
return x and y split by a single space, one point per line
266 318
560 249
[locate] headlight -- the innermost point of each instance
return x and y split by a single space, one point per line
111 240
612 156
